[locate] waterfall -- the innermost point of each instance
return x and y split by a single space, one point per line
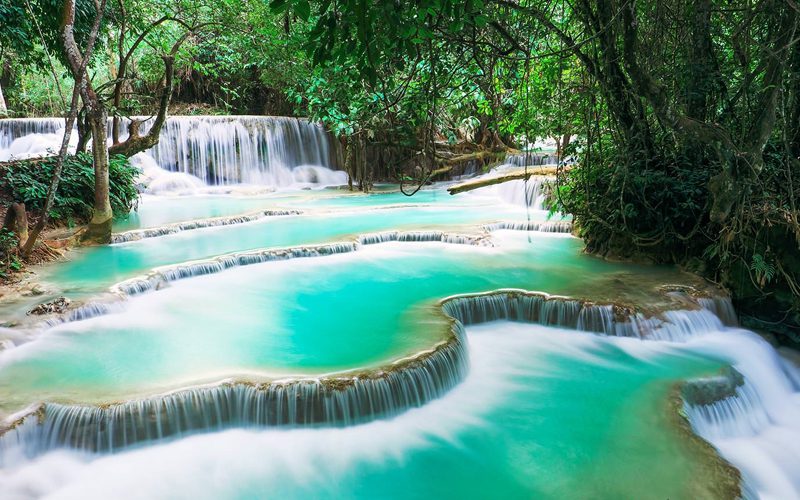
160 277
23 138
341 399
755 421
531 159
722 307
423 236
243 149
138 234
543 227
14 128
217 150
529 307
531 193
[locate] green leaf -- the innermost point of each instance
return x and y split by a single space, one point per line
278 6
302 9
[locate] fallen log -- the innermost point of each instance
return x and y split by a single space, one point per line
515 175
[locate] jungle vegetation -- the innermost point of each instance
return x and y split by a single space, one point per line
683 115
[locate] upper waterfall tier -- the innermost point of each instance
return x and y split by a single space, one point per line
217 149
250 149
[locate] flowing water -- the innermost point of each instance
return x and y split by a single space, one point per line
251 335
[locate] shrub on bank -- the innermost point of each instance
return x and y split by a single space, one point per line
27 181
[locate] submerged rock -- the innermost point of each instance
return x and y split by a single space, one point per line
57 306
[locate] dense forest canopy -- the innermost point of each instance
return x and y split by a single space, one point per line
683 115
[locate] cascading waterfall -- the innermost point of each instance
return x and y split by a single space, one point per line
423 236
244 149
722 307
14 128
531 159
529 307
139 234
329 400
22 138
217 150
306 402
542 227
756 425
162 276
531 193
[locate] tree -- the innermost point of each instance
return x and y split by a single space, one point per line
27 242
688 149
99 228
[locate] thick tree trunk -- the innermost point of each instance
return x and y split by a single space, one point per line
16 220
99 230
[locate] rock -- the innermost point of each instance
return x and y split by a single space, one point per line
709 390
56 306
33 291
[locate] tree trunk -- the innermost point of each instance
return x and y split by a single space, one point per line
16 220
99 230
84 132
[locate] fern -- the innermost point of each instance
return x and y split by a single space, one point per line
764 270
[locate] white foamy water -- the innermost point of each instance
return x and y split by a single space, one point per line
758 429
522 193
196 152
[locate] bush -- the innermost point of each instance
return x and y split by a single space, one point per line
27 181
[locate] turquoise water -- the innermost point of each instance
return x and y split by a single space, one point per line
96 268
313 315
154 211
544 413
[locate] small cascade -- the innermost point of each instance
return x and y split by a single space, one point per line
671 326
531 193
753 417
163 276
139 234
14 128
741 414
543 227
528 307
531 159
721 307
23 138
84 312
423 236
597 318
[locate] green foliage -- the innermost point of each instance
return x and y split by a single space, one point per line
27 182
9 260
